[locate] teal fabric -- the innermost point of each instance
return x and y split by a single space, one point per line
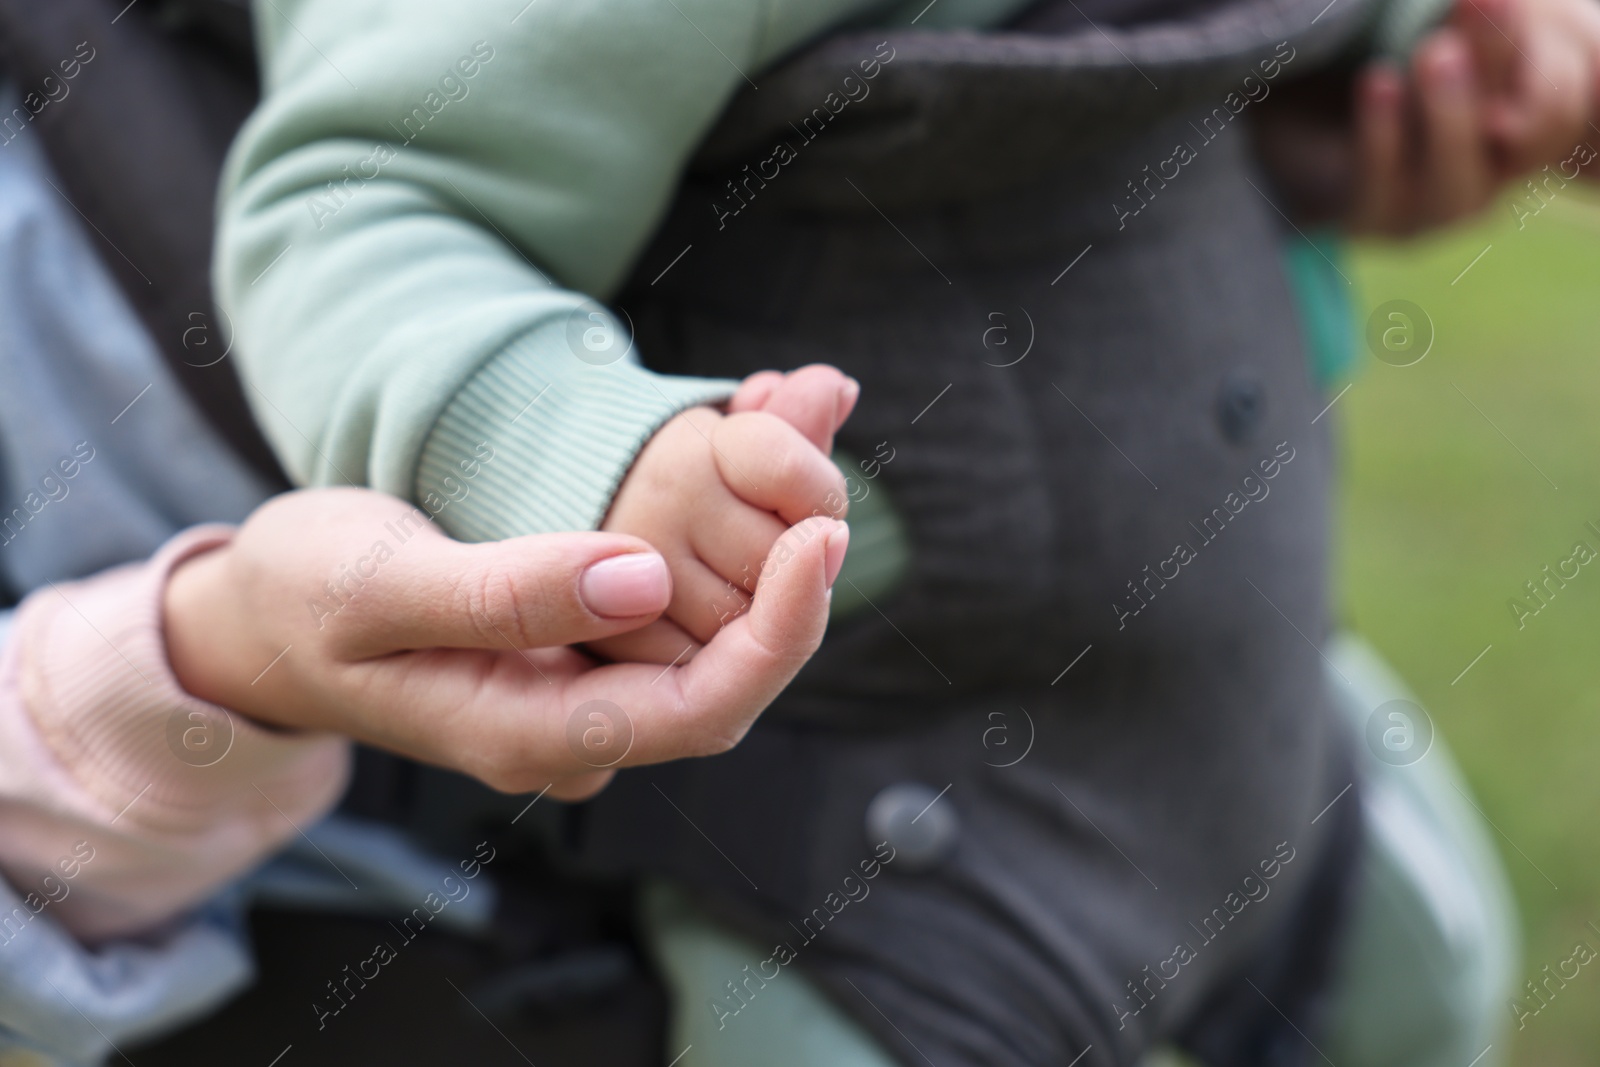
1430 960
880 552
786 1023
1322 289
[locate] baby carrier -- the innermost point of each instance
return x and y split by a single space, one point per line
1117 529
1117 526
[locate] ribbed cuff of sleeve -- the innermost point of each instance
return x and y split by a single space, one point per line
94 678
538 440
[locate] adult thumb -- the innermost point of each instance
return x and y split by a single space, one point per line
538 591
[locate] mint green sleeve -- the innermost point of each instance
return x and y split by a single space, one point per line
414 221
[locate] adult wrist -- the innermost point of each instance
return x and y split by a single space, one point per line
95 675
197 634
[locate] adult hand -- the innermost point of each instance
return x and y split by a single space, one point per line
1505 87
1423 150
347 611
1501 89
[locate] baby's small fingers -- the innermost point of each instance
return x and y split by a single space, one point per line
703 601
663 641
768 463
735 542
754 392
815 400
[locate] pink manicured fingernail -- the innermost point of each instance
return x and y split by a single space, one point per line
838 542
625 586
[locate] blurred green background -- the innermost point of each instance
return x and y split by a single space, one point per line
1444 517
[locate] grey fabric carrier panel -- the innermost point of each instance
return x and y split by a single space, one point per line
1192 738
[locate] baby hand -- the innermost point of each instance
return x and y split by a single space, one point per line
713 492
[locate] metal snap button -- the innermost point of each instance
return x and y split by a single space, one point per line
920 824
1241 408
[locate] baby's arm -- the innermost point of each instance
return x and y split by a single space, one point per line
414 223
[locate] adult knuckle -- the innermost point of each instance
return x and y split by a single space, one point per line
497 597
783 653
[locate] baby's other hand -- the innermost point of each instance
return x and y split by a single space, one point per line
712 493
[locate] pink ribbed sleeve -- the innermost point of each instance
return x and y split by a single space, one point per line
102 754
